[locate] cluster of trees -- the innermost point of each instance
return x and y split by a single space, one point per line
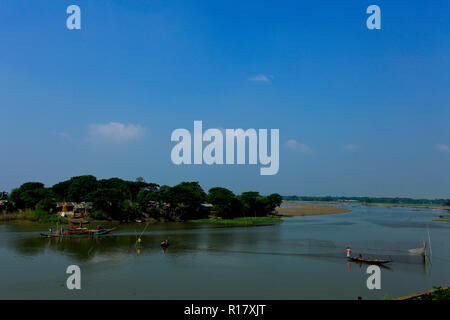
369 200
127 200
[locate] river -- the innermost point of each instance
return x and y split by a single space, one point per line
299 258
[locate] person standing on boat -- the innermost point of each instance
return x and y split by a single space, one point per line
349 251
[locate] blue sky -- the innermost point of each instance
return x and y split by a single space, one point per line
360 112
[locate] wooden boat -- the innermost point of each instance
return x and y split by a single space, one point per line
69 232
79 224
369 260
100 232
50 235
64 235
78 233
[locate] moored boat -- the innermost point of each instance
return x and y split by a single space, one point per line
99 232
77 233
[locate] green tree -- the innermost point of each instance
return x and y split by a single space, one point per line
223 201
131 210
47 205
61 190
135 187
75 189
29 194
253 204
184 199
275 200
249 202
119 185
80 187
107 202
148 199
115 198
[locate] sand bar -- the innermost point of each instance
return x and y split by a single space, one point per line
305 209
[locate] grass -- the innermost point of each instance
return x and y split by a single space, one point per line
31 215
438 293
241 221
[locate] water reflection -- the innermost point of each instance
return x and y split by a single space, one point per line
304 252
85 249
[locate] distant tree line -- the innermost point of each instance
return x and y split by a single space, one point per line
445 202
119 199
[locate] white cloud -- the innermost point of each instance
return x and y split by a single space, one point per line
351 147
65 136
442 147
114 131
260 78
297 146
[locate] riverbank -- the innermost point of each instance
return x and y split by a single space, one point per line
407 205
438 293
241 220
377 204
389 205
30 217
304 209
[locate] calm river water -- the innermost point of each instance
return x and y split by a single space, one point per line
300 258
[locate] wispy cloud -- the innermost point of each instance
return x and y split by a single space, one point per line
350 147
114 131
65 136
297 146
442 147
260 78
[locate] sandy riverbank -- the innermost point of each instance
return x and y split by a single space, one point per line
406 205
304 209
376 204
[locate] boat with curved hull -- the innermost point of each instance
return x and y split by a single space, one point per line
369 260
78 234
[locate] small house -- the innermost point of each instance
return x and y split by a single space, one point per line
206 207
72 209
